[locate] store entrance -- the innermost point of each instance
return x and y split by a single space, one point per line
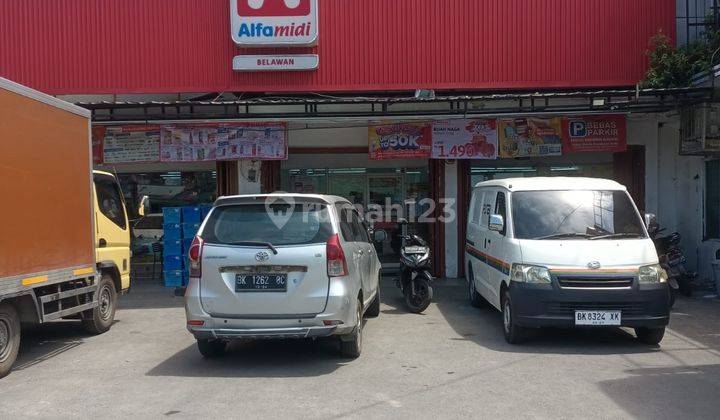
381 195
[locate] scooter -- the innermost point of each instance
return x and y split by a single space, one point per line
415 277
672 260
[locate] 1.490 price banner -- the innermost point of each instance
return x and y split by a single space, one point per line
465 139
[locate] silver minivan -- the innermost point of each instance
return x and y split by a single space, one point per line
281 266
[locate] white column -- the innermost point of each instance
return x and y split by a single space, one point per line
249 177
451 225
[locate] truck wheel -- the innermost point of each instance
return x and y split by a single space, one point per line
652 336
473 296
211 349
514 334
9 337
351 344
101 318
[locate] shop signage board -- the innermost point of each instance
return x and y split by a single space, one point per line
595 133
275 62
465 139
131 143
400 141
208 142
530 136
274 23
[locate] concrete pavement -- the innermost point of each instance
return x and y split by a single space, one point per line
450 362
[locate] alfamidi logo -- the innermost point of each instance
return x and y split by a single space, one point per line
271 23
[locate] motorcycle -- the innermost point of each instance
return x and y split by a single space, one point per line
672 260
415 277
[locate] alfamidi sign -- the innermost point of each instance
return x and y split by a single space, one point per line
274 23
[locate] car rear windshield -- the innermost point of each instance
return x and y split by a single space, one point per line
581 214
293 224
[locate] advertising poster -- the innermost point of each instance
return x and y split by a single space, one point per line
465 139
196 143
400 141
594 133
528 137
131 143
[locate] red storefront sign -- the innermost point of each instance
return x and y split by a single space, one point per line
594 133
400 141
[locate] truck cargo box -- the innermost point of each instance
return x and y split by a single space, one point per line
45 185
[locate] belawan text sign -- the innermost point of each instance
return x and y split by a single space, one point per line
274 23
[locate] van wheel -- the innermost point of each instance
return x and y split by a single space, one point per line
514 334
473 296
374 309
652 336
9 337
101 318
211 349
351 344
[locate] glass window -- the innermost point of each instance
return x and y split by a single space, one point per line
110 201
284 225
712 198
563 214
361 234
346 228
488 199
500 209
308 181
169 189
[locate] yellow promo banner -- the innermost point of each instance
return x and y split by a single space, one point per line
530 136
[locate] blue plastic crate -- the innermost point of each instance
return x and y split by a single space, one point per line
191 214
173 278
186 245
204 210
172 231
185 277
172 215
172 247
173 262
189 229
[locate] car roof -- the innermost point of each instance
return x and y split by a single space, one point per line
553 183
247 198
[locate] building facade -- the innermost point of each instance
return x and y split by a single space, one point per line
330 72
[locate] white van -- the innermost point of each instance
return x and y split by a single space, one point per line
564 252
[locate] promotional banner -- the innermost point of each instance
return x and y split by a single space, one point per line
400 141
528 137
131 143
193 143
594 133
465 139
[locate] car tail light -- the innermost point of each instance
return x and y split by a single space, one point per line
336 264
196 322
195 256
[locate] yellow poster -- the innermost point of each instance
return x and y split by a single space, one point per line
530 136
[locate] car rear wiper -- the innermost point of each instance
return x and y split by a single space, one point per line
256 243
617 235
564 235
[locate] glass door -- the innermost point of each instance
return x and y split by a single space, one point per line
385 194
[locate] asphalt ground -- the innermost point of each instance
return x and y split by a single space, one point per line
450 362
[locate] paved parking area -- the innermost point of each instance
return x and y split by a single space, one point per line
450 362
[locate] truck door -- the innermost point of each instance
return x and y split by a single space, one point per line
112 231
498 264
475 241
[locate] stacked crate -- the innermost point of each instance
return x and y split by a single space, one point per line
181 225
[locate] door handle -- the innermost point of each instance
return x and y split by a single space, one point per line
102 243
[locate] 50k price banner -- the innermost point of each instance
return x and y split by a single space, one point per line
465 139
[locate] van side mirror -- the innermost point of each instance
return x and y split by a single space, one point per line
651 222
497 223
379 236
144 205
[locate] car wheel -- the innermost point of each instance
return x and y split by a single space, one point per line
211 349
652 336
473 296
351 344
9 337
374 309
514 334
101 318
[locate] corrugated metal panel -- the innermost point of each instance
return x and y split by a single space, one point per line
144 46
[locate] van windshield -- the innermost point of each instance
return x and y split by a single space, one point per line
575 215
285 224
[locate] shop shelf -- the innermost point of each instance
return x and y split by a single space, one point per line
191 214
189 229
173 262
172 215
172 246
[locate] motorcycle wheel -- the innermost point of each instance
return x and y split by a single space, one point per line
419 301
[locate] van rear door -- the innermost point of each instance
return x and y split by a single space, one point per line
265 260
